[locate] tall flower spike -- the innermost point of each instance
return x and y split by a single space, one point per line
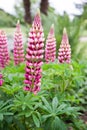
64 54
50 50
4 55
34 56
18 45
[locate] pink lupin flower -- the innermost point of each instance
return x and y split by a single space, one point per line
64 54
50 50
1 76
34 56
18 45
1 80
4 55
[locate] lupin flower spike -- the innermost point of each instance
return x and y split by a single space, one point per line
18 45
34 56
64 54
4 55
50 49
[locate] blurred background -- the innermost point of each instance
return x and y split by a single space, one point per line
71 14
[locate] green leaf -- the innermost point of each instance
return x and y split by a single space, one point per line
47 105
58 124
1 117
45 117
39 115
28 114
10 77
23 107
55 103
9 119
7 113
36 120
61 108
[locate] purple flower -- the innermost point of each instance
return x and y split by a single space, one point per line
4 55
64 54
50 50
18 45
1 76
34 56
1 82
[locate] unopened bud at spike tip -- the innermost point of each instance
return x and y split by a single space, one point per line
37 20
18 22
64 31
52 29
52 26
38 11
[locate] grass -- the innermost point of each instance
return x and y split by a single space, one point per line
83 33
11 30
82 50
8 30
6 19
82 46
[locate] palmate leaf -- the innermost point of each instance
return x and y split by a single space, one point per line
47 125
25 113
58 124
4 109
54 103
36 120
60 109
11 89
71 110
68 110
45 117
28 101
1 116
39 115
46 105
54 112
14 69
4 105
54 124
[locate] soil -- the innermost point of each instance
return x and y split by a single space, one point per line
84 117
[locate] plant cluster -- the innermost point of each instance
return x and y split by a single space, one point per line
55 91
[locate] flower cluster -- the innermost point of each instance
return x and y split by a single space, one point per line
4 55
64 54
34 56
18 45
50 50
1 80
